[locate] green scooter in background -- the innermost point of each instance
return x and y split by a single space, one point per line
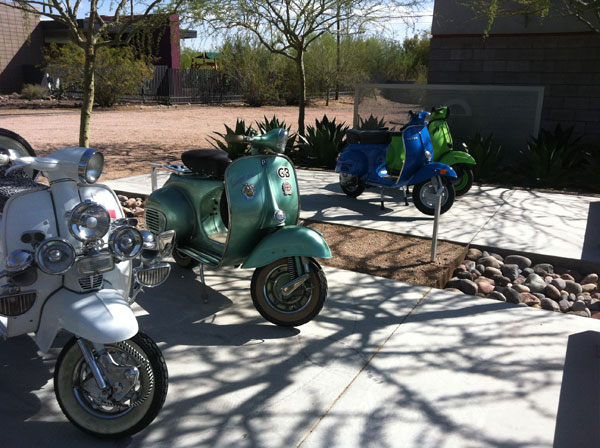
443 151
245 213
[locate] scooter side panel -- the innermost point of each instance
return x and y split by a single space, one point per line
173 211
291 241
103 317
353 160
430 170
454 157
257 186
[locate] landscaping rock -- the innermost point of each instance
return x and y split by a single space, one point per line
501 280
474 254
530 299
484 286
567 277
496 295
539 295
590 278
479 268
496 256
490 272
543 269
511 271
489 261
579 305
594 305
564 305
464 275
549 304
520 288
585 313
469 265
464 285
535 283
552 292
559 283
511 295
527 271
589 287
573 287
519 260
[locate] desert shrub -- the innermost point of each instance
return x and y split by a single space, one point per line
268 125
118 71
486 153
371 123
551 160
34 92
587 178
234 150
323 142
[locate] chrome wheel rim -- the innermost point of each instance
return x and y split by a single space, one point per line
427 194
296 301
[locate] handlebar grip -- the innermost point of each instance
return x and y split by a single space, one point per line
4 159
235 138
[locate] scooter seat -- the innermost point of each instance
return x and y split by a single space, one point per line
210 162
378 137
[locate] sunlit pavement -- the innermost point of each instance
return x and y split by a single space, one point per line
384 364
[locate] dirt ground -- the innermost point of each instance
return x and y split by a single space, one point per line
133 137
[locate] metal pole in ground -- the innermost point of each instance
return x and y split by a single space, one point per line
436 219
153 178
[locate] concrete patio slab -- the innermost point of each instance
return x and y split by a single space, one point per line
384 364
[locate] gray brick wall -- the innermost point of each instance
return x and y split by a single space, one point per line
16 51
567 65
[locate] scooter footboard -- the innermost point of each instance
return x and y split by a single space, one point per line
432 169
291 241
103 317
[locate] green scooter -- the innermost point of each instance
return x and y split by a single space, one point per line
443 151
245 213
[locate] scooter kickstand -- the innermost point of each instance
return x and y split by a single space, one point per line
381 189
406 195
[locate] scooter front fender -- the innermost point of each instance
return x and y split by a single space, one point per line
432 169
103 317
452 158
291 241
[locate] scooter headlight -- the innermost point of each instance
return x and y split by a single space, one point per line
90 166
89 221
126 242
55 256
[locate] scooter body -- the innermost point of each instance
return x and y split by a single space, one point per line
245 213
366 162
67 252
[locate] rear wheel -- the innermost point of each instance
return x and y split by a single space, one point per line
424 197
351 185
464 179
137 381
297 308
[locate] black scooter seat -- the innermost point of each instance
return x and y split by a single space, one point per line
376 137
209 162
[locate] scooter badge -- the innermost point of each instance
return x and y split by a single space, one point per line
287 188
248 191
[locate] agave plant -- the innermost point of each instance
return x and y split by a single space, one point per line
268 125
487 155
234 150
323 142
589 179
371 123
553 158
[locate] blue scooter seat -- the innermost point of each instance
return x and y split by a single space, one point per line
378 137
209 162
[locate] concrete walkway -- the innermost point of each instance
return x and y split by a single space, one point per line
385 364
557 225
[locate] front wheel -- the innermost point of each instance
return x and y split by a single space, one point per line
464 179
137 380
183 260
424 198
351 185
292 310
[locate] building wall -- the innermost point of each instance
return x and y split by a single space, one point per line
559 53
18 56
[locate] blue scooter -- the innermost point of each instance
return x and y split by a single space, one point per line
362 164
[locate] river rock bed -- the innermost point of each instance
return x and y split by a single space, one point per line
132 207
516 279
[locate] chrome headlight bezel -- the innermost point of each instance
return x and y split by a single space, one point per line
76 224
117 245
42 255
90 166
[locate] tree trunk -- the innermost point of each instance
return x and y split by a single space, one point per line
327 92
89 69
302 101
338 71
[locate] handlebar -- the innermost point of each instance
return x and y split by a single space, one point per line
232 138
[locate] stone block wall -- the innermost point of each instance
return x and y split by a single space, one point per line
17 53
566 64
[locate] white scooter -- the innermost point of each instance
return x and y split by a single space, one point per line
68 252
